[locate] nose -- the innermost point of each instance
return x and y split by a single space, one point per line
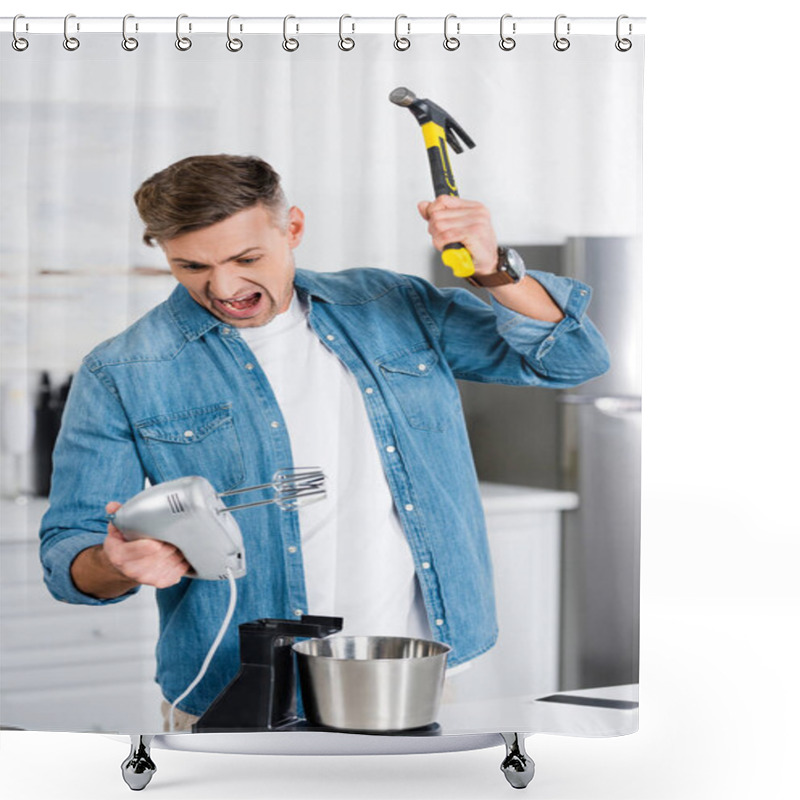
224 282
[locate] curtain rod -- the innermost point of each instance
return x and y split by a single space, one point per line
347 25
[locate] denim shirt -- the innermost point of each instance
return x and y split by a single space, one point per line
180 393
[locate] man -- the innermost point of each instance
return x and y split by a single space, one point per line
251 366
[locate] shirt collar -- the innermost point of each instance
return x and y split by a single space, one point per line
193 320
309 283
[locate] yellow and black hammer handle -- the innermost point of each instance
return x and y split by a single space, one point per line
439 128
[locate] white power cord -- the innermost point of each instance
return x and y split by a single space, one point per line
212 649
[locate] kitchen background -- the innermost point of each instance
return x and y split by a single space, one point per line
558 165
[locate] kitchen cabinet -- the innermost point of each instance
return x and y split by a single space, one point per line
524 527
91 668
65 666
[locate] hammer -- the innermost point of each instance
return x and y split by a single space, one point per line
439 128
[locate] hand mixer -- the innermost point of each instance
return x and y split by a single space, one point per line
189 513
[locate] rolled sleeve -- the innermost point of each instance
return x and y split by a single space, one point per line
568 352
61 550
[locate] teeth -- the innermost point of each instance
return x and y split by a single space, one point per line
232 303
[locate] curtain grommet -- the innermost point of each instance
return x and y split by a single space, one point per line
401 43
451 42
622 44
346 43
507 43
234 45
70 43
19 43
289 44
129 43
183 43
561 43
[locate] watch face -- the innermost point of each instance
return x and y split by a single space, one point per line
514 265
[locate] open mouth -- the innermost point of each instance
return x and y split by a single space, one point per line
240 306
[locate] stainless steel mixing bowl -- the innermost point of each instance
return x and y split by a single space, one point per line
371 683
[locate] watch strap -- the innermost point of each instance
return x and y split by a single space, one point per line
488 281
498 278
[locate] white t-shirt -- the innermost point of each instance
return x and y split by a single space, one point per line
358 564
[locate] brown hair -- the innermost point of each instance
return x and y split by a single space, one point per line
201 190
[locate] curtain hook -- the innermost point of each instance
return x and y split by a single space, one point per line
451 42
70 42
346 43
290 45
234 45
507 42
18 43
182 42
128 42
561 43
401 42
623 45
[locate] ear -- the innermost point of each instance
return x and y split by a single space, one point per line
296 226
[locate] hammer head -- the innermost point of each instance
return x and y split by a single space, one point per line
425 110
402 96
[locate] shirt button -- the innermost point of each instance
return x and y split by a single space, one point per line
188 434
391 448
292 549
248 365
440 622
274 424
426 565
550 339
330 337
369 390
409 507
298 612
583 292
421 367
226 331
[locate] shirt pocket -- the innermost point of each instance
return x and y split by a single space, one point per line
195 441
424 389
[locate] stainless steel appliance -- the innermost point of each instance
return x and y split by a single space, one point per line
601 458
371 683
586 440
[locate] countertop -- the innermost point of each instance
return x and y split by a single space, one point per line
19 519
464 726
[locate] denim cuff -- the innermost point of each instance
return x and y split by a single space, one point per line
523 333
56 562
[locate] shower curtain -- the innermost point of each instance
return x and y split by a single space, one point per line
555 113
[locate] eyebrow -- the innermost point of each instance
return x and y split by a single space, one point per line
232 258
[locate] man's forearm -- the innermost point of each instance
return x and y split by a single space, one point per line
530 298
93 574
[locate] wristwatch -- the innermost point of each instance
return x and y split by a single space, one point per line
510 269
